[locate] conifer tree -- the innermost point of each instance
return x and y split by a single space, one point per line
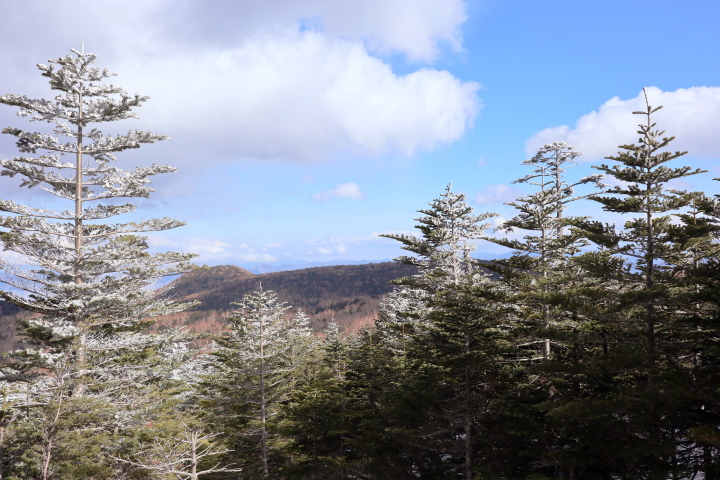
647 238
539 269
317 414
86 277
454 350
182 456
442 253
695 337
628 388
254 370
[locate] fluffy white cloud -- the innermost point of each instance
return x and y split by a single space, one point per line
302 96
418 29
492 194
284 79
204 247
211 250
253 257
689 114
343 190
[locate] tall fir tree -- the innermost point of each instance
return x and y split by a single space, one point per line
88 278
454 352
539 270
627 388
317 415
696 336
647 239
442 253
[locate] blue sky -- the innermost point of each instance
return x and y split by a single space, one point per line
302 129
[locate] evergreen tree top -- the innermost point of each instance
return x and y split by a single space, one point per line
642 174
76 76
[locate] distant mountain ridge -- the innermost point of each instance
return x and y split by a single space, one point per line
261 268
348 294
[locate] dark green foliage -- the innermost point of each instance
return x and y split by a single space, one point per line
632 378
72 430
254 370
539 272
443 387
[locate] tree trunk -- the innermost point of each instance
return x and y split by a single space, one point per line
263 409
193 451
81 353
468 418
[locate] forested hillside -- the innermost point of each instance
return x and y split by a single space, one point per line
311 289
347 294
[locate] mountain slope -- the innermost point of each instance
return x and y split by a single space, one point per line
349 294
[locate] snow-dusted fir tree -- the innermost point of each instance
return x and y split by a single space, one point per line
447 320
448 229
255 368
181 456
87 277
539 267
442 255
542 212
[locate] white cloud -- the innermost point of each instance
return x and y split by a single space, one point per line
254 257
497 221
343 190
247 254
206 247
418 29
189 245
232 80
329 245
689 114
338 244
301 96
493 194
211 250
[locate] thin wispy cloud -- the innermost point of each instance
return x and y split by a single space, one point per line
497 194
344 190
